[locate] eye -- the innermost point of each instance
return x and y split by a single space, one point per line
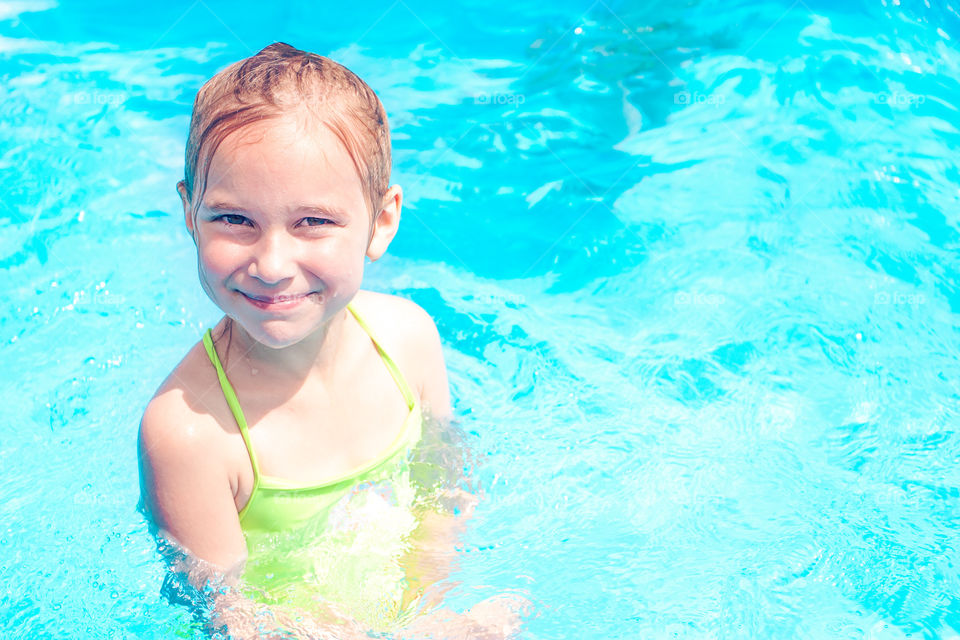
231 219
315 222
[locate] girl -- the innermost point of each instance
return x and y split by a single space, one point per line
276 457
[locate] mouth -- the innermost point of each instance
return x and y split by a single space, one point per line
277 302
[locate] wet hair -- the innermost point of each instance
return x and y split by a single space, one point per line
281 80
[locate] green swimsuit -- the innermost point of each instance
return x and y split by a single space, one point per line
339 541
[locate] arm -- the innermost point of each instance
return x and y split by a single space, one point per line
433 554
186 492
185 486
229 610
444 513
433 543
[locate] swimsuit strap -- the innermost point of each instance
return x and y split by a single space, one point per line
387 360
234 404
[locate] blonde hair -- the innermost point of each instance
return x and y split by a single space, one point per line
278 80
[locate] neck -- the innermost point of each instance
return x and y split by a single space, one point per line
315 355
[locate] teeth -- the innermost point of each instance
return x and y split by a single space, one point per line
276 300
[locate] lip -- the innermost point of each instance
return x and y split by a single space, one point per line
275 303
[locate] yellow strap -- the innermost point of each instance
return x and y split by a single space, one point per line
391 366
233 403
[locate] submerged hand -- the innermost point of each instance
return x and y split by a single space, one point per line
496 618
500 614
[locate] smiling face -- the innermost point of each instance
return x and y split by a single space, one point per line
283 229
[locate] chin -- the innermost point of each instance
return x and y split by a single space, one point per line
276 335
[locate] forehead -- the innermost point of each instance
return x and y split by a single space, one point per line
292 156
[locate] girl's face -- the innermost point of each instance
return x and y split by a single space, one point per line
283 229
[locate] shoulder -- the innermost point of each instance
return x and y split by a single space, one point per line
180 419
395 318
410 335
168 423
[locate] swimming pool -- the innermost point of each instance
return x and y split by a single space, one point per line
695 269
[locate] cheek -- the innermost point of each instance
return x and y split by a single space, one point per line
220 258
334 266
341 260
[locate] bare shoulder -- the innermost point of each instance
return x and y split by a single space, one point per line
410 335
181 417
396 319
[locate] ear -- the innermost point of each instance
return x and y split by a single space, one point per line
386 223
187 213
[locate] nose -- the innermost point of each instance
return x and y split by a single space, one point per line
273 260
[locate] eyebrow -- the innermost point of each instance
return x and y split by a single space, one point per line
323 210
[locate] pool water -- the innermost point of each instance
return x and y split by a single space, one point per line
695 266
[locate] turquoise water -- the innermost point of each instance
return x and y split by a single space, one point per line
695 268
